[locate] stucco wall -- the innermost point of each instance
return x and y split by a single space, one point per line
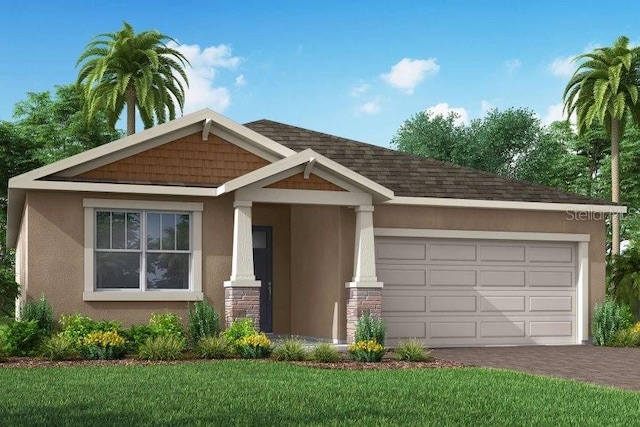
56 264
515 221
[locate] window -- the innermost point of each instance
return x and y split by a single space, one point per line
142 247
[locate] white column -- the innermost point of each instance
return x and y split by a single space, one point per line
242 273
364 263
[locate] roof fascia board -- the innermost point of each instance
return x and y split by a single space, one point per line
100 187
303 197
14 215
499 204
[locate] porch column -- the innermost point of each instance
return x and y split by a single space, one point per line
242 290
364 292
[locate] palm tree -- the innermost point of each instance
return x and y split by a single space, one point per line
136 69
605 88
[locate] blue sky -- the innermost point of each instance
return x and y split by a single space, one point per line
356 69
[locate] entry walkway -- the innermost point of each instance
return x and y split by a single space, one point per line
617 367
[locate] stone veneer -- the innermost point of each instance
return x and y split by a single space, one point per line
359 301
242 302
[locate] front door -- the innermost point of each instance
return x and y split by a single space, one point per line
263 269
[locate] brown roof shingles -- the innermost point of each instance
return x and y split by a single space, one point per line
414 176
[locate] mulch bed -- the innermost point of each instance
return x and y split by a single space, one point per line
345 364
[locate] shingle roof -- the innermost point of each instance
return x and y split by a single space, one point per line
414 176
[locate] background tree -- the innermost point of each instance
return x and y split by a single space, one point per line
605 88
138 70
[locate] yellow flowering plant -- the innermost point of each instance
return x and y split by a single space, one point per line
104 345
367 351
254 346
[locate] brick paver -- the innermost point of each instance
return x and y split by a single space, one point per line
617 367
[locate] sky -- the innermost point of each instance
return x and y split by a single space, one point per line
356 69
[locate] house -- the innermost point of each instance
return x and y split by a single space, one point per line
303 231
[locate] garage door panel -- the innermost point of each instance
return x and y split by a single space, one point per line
452 304
452 252
401 251
503 278
551 279
551 303
502 303
551 254
551 328
402 276
452 277
404 304
475 293
452 330
502 253
401 329
502 329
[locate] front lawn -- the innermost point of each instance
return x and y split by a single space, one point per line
269 393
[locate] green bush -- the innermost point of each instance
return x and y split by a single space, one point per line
58 347
166 324
239 329
255 346
211 347
40 311
290 350
104 345
137 335
412 351
370 328
629 337
21 338
608 319
76 327
204 321
325 353
367 351
624 277
4 346
9 291
162 347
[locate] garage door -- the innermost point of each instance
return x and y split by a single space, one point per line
476 292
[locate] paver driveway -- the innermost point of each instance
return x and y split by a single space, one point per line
618 367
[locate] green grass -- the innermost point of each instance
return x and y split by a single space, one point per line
268 393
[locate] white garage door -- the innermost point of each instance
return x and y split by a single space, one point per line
475 292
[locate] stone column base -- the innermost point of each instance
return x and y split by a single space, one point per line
359 301
242 302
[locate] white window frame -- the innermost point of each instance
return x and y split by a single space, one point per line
194 293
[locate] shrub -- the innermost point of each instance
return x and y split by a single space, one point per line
76 327
58 347
629 337
4 347
608 319
412 351
21 338
256 346
162 347
166 324
624 277
104 345
325 353
137 335
204 321
9 291
290 350
210 347
370 328
239 329
40 311
367 351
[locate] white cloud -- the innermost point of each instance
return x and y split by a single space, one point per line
443 109
407 73
512 65
205 63
359 89
241 81
371 107
556 113
562 66
485 107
